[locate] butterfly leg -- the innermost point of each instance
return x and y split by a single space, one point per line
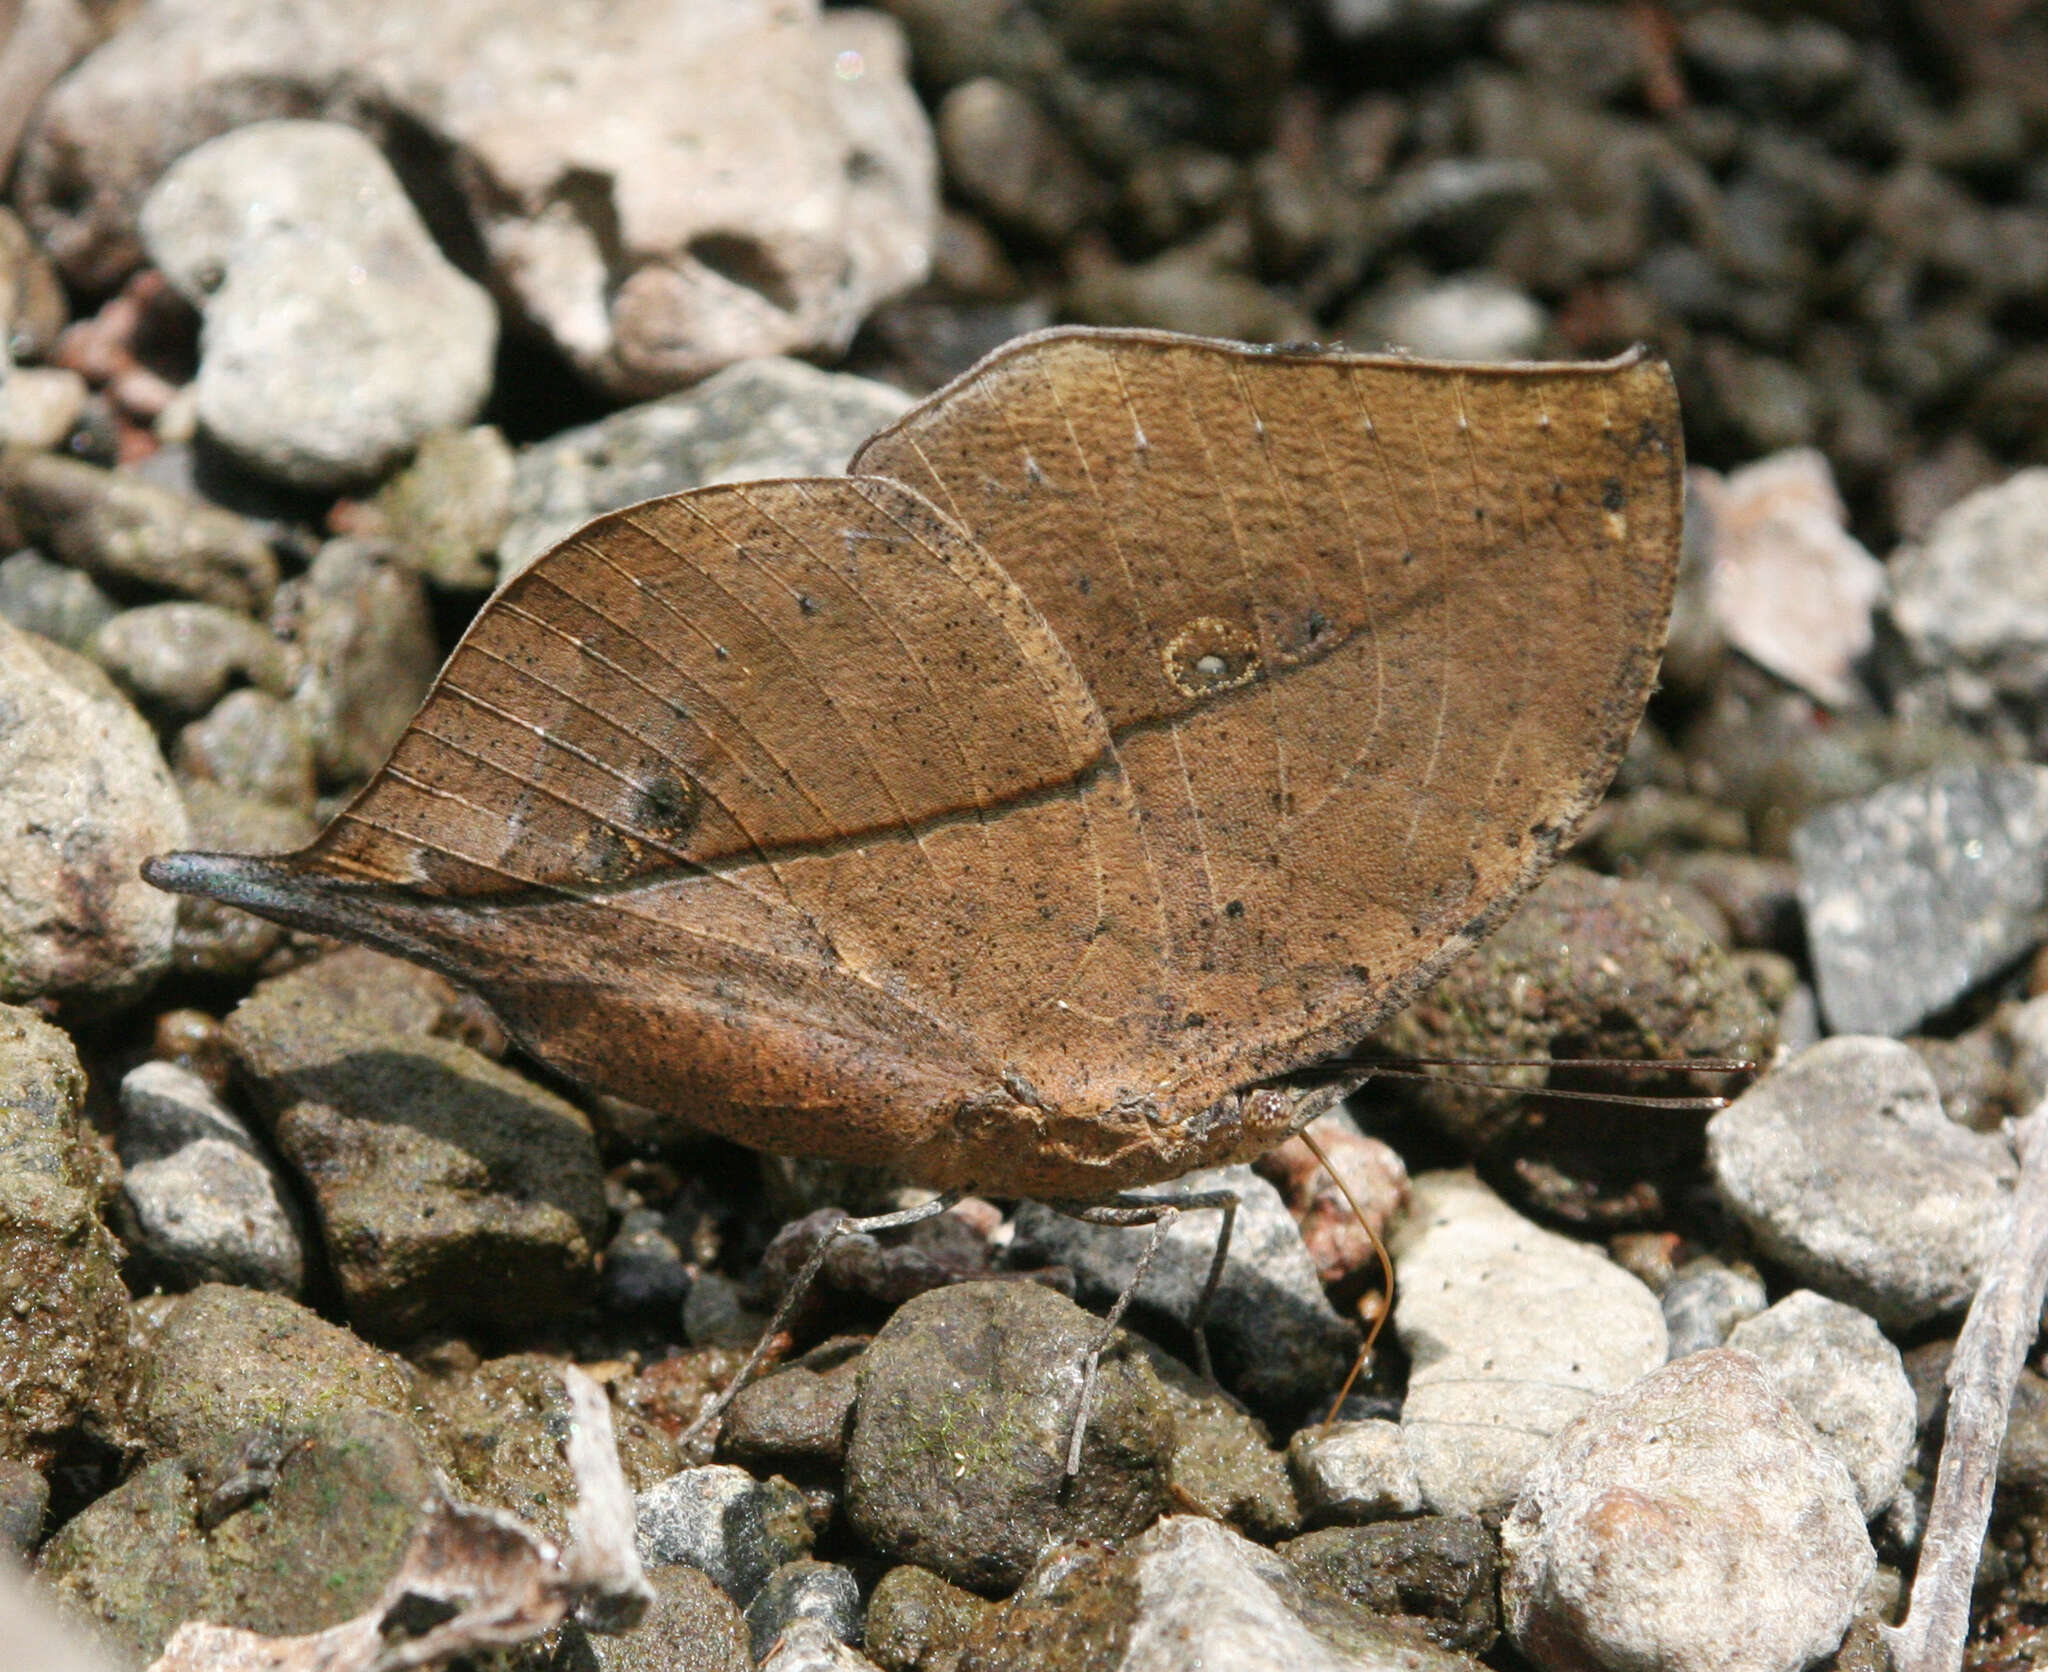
1160 1214
799 1287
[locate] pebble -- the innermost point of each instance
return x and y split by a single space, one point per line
65 1356
691 1626
1008 159
616 176
1185 1594
39 405
451 1192
799 1417
126 532
1971 603
1843 1167
24 1506
918 1622
811 1646
285 1529
178 660
643 1267
33 309
1704 1301
821 1593
85 797
250 743
1512 1332
966 1403
1220 1462
1474 317
1353 1472
212 1212
53 600
1788 585
1278 1342
364 632
1441 1570
1917 891
224 1359
1614 968
1837 1370
1377 1180
165 1107
734 1529
501 1423
336 337
759 419
218 940
446 511
1683 1504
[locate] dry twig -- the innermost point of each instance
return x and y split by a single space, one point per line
2002 1323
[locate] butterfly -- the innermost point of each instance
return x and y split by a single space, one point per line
1142 720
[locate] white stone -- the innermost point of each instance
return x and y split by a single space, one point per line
1693 1522
1512 1331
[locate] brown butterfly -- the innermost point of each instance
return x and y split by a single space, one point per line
1143 719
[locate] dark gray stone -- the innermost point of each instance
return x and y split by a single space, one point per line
643 1267
1278 1342
1915 893
52 599
692 1626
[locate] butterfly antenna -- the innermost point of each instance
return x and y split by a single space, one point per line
1379 1248
1415 1068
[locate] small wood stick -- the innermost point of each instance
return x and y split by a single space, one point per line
2003 1320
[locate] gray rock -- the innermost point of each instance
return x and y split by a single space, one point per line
1844 1168
1443 1570
1705 1300
1278 1342
128 532
820 1592
1837 1370
759 419
335 335
178 660
85 797
1185 1594
253 744
365 634
1917 891
615 172
1220 1462
1512 1332
1691 1501
64 1358
52 599
1469 318
692 1626
966 1404
1971 603
451 1192
212 1212
212 938
164 1107
1353 1471
732 1528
